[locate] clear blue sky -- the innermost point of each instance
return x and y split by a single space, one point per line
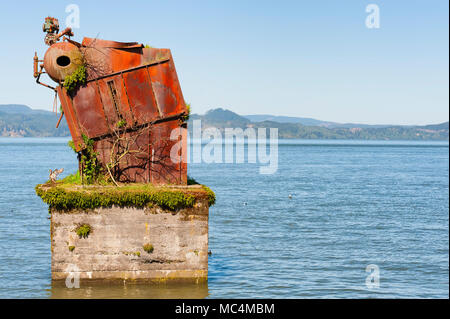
298 58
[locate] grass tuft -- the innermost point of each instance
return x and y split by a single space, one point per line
68 194
148 248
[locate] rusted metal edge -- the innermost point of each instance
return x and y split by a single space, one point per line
175 75
129 70
100 43
71 117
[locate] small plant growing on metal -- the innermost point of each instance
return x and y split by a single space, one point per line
121 123
185 118
148 248
89 164
77 78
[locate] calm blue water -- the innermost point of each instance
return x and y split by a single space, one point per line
353 204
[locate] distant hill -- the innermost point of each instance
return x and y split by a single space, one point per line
222 118
442 126
307 128
305 121
20 120
287 119
15 109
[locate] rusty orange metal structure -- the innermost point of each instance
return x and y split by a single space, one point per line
129 90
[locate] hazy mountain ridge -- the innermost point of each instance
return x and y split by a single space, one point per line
286 119
313 122
295 127
21 121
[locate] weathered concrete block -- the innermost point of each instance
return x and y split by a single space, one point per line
114 247
143 243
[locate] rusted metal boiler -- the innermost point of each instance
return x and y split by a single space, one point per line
129 103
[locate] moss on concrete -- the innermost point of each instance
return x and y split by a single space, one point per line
210 195
148 248
132 253
83 230
65 196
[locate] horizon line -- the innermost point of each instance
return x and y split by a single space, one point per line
289 116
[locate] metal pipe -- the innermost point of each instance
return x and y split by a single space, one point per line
60 118
35 65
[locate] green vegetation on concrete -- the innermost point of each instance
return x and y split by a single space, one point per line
72 179
67 196
148 248
83 230
132 253
210 194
